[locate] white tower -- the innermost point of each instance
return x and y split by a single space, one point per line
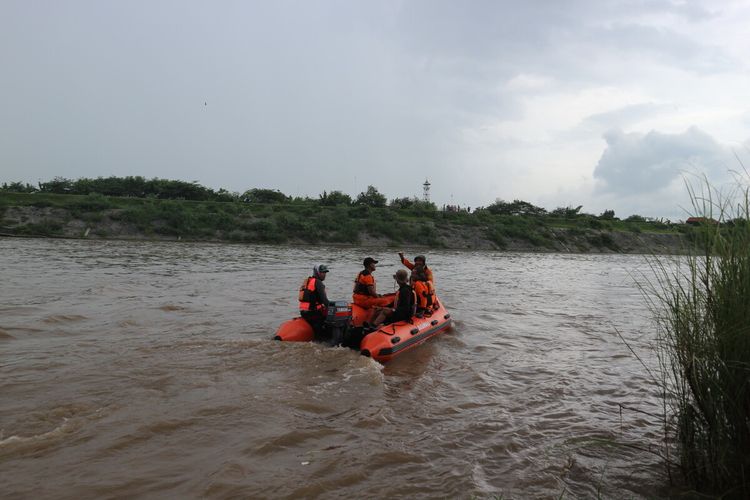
426 190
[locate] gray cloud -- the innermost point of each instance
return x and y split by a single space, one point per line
306 96
565 39
646 163
666 46
625 116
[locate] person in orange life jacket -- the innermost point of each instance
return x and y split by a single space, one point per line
404 304
424 291
313 301
420 263
364 293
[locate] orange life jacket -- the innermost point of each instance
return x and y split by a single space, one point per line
420 289
425 294
362 288
308 301
427 270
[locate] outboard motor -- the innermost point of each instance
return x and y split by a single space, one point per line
338 320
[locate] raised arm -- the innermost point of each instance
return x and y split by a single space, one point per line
405 261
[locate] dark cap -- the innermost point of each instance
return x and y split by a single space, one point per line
321 268
420 257
370 260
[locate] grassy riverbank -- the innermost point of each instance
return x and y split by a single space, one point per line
310 222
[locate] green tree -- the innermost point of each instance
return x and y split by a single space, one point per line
635 218
180 190
224 195
405 202
58 185
257 195
567 212
371 198
17 187
415 205
517 207
335 198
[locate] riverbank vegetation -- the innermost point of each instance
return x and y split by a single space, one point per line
702 309
133 207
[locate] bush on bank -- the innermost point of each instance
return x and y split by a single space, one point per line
702 310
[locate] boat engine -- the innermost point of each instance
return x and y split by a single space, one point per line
337 322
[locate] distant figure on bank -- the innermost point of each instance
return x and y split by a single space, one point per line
420 264
364 293
313 301
404 305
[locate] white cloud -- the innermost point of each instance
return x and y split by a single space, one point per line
526 82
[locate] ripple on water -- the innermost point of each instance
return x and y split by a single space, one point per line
171 308
294 438
153 430
41 431
16 445
64 318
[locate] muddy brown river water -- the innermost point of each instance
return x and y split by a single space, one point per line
147 370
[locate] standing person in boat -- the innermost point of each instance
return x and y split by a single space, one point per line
404 305
420 264
364 293
313 301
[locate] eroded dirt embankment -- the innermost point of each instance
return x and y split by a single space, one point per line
30 221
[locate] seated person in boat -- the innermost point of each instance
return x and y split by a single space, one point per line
404 304
364 293
420 264
313 301
424 291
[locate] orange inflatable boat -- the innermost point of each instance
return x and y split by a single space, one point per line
343 326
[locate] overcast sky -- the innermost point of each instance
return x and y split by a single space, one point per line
605 104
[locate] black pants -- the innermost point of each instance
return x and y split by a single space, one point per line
398 316
316 320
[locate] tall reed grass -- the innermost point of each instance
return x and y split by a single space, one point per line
701 304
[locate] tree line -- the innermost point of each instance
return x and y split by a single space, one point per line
132 186
140 187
